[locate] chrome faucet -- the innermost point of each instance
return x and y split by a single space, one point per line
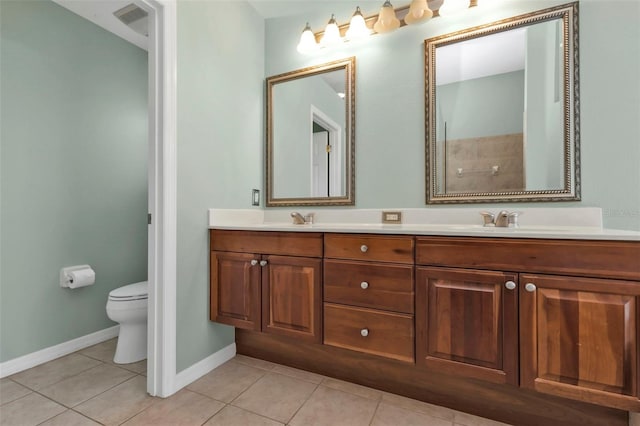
504 219
298 219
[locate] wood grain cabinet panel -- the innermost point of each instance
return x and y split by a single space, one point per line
235 297
379 248
370 285
467 323
292 297
579 338
369 330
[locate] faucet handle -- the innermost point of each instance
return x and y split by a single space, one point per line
512 219
488 218
308 218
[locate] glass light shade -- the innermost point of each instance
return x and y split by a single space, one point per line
357 26
418 12
307 41
387 20
451 7
331 35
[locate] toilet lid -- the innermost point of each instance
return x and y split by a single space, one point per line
134 291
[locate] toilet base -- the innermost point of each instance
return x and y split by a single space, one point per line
132 343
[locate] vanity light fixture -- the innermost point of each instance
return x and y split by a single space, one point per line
387 20
419 12
331 35
307 42
452 7
357 26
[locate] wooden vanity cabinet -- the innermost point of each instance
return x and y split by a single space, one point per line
467 322
268 281
578 333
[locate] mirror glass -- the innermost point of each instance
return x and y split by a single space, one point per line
310 136
501 111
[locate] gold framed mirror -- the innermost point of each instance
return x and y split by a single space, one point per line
311 136
501 111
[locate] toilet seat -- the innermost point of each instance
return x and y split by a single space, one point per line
131 292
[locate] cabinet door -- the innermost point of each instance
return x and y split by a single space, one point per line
292 298
579 338
467 323
235 290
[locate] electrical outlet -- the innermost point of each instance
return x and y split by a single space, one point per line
391 217
255 197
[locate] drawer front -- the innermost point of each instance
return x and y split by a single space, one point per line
606 259
367 330
398 249
370 285
267 242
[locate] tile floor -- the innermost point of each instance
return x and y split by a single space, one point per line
86 388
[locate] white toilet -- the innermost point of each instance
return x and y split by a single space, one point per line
128 306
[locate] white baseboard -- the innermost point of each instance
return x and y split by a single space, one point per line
33 359
199 369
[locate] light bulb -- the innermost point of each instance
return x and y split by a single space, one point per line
451 7
307 42
331 35
418 12
357 26
387 20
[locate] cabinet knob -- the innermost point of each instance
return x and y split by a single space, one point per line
510 285
530 287
254 262
263 262
364 332
364 285
364 248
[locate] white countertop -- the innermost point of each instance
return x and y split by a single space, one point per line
555 223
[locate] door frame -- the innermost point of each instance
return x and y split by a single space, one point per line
162 174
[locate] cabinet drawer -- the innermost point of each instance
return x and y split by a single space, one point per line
379 286
606 259
387 334
397 249
267 242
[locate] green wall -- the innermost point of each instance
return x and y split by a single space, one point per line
219 146
390 101
73 172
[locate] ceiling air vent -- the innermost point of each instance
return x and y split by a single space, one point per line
133 17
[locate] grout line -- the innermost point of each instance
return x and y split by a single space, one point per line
64 378
214 414
375 411
303 404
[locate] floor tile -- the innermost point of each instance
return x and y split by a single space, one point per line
74 390
332 407
29 410
228 381
10 391
298 374
119 403
464 419
275 396
105 352
352 388
234 416
69 418
419 406
102 351
255 362
54 371
390 415
184 408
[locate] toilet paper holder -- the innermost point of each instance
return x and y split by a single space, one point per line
65 274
